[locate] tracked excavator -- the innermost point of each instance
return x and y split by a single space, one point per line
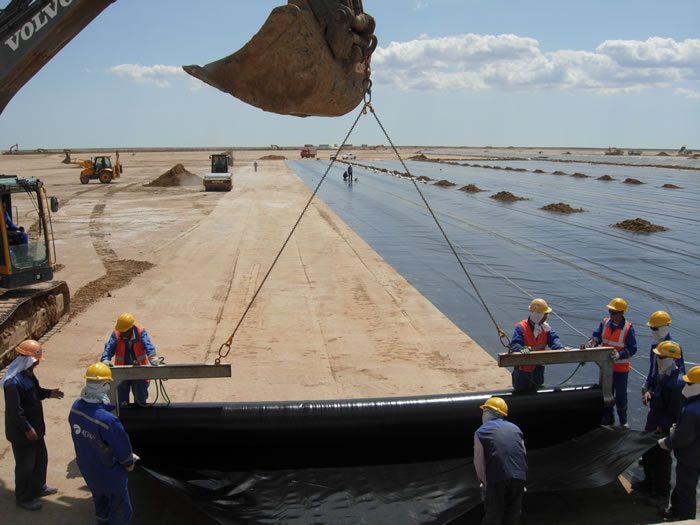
310 58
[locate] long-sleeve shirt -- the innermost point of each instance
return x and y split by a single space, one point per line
685 440
630 340
111 346
517 342
651 376
665 405
23 409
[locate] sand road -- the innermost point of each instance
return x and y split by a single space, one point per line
332 321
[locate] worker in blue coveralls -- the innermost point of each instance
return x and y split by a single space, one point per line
15 234
658 323
102 448
533 334
684 440
500 461
617 332
24 425
129 344
664 408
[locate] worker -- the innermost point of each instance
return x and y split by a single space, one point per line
684 440
500 461
15 234
345 176
255 165
664 407
24 424
533 334
617 332
350 171
129 344
102 448
658 323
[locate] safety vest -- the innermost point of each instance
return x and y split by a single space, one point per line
138 349
539 343
615 337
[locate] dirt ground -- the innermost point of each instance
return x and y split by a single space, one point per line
332 321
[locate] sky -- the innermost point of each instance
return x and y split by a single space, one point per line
529 73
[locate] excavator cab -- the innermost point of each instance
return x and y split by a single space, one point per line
27 253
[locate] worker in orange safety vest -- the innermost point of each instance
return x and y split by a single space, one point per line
533 334
617 332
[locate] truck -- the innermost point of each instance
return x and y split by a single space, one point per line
308 152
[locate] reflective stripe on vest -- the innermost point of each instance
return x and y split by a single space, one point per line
540 343
138 349
616 338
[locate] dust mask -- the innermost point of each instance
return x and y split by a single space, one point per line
664 365
488 415
691 390
96 392
536 317
659 334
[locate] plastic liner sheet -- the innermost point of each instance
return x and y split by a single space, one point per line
436 492
516 251
389 460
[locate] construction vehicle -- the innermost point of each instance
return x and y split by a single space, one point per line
311 57
31 303
308 152
219 178
99 168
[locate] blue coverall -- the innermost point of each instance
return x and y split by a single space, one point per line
524 381
620 379
651 376
15 235
139 388
103 452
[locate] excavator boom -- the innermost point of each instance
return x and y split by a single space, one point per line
311 57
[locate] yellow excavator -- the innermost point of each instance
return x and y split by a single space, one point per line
311 57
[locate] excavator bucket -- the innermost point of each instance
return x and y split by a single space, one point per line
311 57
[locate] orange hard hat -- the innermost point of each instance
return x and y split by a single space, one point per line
31 348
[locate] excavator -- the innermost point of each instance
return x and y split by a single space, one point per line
310 58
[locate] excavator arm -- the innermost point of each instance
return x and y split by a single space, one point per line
311 57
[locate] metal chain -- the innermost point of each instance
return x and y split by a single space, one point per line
225 348
501 334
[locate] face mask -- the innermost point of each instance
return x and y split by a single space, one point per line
487 416
536 317
660 333
96 392
662 365
691 389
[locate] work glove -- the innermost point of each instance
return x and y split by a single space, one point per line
615 355
108 362
134 458
663 444
154 360
525 350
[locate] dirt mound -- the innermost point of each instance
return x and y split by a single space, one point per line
423 178
471 188
538 171
561 207
176 176
444 183
273 157
672 186
119 274
418 157
639 225
558 173
662 154
632 181
605 177
580 175
507 196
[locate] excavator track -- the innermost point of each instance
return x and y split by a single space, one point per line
29 313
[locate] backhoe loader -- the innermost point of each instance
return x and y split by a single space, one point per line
311 57
99 168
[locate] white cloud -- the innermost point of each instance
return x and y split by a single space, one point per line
687 93
159 75
481 62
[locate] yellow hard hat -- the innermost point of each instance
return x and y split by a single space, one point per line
659 318
668 349
31 348
98 372
497 404
125 322
618 304
693 375
540 306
